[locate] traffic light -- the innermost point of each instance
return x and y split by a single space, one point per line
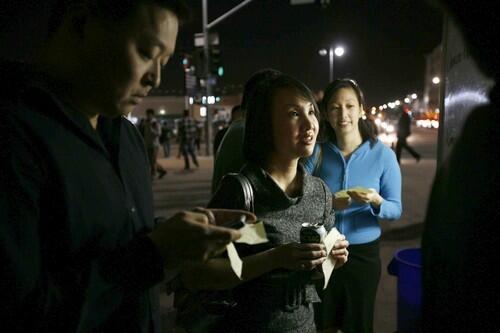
216 67
199 62
220 71
187 62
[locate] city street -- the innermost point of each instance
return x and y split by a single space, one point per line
181 189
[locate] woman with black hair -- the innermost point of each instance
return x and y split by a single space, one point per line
365 177
276 291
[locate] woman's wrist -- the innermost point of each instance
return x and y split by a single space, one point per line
377 202
275 259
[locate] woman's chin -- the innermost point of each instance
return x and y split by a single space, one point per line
307 151
343 129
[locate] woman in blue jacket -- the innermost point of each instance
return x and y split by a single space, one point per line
351 157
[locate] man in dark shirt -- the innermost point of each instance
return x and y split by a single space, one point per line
236 113
165 138
79 245
187 138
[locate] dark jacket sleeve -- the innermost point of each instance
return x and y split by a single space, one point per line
135 266
23 285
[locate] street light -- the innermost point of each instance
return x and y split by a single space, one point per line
338 51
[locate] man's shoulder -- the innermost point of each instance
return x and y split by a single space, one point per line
236 130
220 133
15 73
237 124
29 104
231 143
128 125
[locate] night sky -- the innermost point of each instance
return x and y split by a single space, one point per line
385 41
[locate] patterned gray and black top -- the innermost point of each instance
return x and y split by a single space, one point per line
281 300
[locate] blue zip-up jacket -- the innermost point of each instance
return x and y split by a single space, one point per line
371 167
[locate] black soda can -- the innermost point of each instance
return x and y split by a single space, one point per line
312 233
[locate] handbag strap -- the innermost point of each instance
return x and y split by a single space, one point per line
247 192
247 189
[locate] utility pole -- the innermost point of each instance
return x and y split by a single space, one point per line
209 129
330 53
208 74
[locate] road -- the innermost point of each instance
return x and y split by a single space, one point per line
180 190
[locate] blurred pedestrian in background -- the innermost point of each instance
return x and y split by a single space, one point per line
404 131
197 139
165 136
187 133
150 129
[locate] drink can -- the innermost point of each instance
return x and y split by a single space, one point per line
312 233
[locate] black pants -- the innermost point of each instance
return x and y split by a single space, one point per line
166 148
349 299
152 152
403 144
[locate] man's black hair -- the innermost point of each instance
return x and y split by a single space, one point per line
114 10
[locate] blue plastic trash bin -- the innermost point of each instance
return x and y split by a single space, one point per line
407 266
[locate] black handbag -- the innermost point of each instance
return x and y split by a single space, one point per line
203 311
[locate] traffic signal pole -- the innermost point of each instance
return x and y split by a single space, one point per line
209 129
208 74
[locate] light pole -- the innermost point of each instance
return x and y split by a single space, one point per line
206 49
331 52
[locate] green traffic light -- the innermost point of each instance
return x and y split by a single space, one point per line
220 71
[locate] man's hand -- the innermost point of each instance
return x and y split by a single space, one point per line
193 235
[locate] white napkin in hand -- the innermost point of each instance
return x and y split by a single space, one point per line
329 264
235 260
251 234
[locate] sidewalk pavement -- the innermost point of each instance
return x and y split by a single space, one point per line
181 189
